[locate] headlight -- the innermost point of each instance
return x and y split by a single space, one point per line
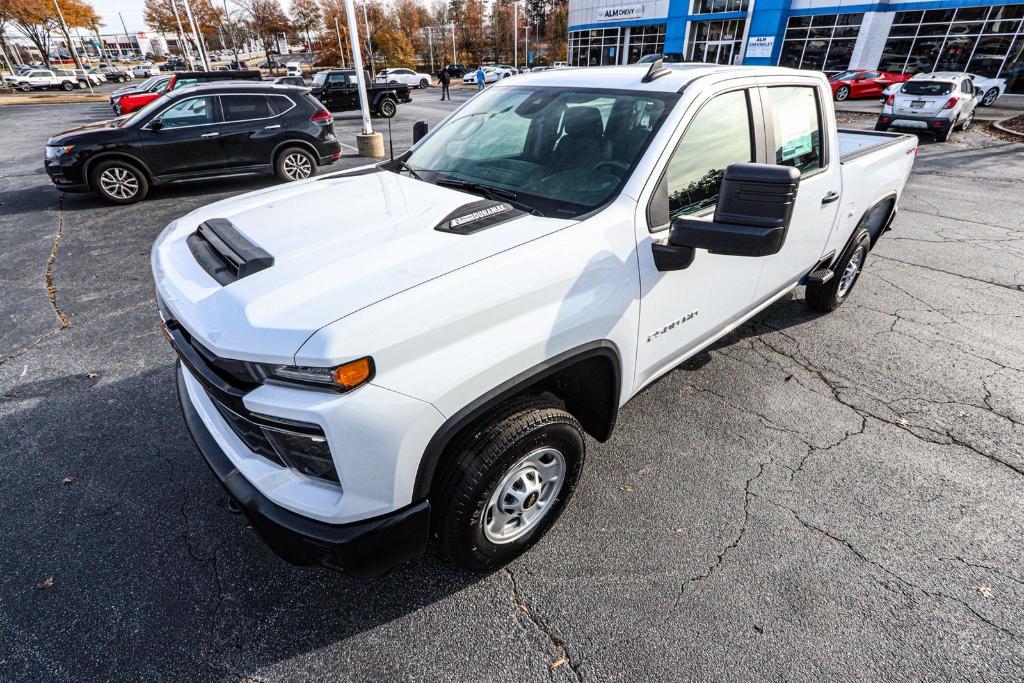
342 378
52 152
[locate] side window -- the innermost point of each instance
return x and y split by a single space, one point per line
718 135
245 107
965 86
797 124
280 104
338 79
196 111
872 74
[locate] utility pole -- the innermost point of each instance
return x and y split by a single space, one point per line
341 50
195 33
368 143
120 53
527 28
455 59
184 36
515 36
71 45
369 45
430 47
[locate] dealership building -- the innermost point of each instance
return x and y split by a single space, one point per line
828 35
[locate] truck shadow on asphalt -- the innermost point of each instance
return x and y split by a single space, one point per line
108 495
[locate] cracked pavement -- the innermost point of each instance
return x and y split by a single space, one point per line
814 497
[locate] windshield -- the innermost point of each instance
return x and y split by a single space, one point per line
139 114
935 88
562 152
847 75
320 78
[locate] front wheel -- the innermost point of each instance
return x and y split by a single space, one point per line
25 87
67 86
423 84
991 95
295 163
387 108
119 182
842 93
831 295
506 482
82 85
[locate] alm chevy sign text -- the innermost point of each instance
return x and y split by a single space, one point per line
623 13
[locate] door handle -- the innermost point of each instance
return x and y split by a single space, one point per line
276 125
830 197
209 135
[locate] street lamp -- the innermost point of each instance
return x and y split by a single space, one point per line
368 143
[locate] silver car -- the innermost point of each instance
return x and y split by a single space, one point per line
936 103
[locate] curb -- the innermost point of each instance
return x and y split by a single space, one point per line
14 100
1004 129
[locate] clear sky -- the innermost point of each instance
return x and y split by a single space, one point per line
131 10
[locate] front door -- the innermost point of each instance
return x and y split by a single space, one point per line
797 133
342 92
184 138
681 309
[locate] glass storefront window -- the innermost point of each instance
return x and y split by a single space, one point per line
955 53
602 47
989 54
827 45
908 17
894 55
718 6
839 53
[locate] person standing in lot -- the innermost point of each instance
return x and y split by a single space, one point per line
479 78
445 79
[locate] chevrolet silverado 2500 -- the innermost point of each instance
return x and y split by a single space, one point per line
417 348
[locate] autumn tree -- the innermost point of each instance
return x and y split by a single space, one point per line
335 23
37 19
307 17
266 19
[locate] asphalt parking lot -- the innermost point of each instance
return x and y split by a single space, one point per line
832 497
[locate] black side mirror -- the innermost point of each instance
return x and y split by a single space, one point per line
755 205
156 125
419 129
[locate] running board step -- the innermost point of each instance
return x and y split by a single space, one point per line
820 276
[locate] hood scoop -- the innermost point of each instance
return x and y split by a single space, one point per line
224 253
477 216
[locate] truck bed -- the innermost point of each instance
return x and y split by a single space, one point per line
857 143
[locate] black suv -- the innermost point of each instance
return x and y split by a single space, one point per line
214 129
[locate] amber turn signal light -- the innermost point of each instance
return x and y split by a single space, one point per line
354 373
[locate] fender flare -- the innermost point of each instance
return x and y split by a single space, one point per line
294 142
116 154
884 225
436 447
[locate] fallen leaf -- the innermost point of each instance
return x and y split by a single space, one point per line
557 663
46 584
903 420
788 377
627 487
92 375
66 480
963 414
526 610
985 590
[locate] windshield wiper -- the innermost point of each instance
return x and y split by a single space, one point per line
495 193
402 166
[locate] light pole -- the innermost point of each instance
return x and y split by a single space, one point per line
527 29
120 52
184 36
234 46
368 143
369 45
430 47
455 59
195 33
71 45
515 36
341 50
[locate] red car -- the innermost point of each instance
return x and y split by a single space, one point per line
863 83
130 103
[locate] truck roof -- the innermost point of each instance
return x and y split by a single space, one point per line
630 77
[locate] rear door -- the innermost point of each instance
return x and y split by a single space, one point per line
800 133
183 138
253 125
681 309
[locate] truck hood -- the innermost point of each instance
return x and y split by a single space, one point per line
340 243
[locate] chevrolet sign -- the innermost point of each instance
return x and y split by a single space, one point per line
623 13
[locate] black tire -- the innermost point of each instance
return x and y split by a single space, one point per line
295 163
487 454
25 87
105 176
66 85
82 85
881 126
831 295
423 84
946 133
387 108
119 79
842 93
991 95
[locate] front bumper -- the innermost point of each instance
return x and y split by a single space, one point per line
363 549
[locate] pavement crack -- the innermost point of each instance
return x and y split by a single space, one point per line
907 586
544 629
1005 285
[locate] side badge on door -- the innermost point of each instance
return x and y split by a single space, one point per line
672 325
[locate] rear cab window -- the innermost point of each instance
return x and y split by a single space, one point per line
797 126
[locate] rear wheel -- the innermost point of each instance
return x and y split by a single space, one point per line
119 182
991 95
423 84
295 163
67 85
508 479
82 85
387 108
946 133
967 122
831 295
842 93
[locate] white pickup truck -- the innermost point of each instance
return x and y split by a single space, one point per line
418 348
37 79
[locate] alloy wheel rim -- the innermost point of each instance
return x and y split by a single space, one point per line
850 274
524 496
297 166
388 109
990 97
842 93
119 183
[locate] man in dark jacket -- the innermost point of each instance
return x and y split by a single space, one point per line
445 79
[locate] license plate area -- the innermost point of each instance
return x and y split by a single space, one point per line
917 104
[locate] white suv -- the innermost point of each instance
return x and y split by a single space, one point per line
939 103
